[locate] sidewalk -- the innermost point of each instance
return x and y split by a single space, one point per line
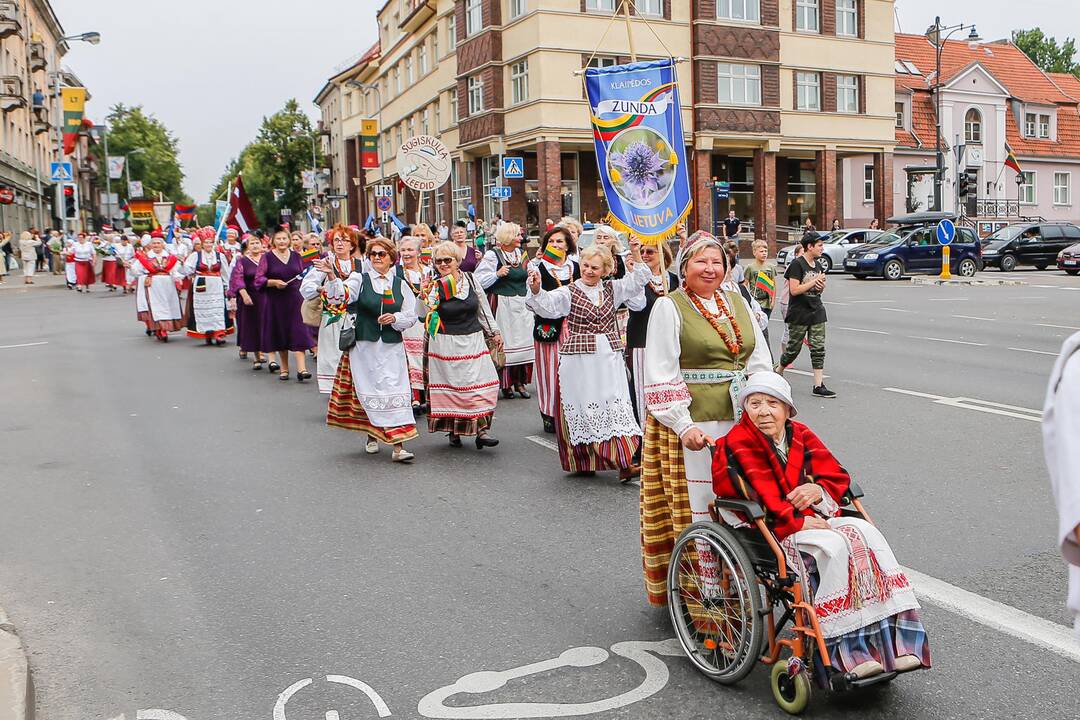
14 281
16 684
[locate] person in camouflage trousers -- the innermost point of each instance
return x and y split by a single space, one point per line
806 316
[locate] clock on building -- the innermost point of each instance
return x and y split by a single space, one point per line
974 157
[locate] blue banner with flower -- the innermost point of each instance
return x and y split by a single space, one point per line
640 150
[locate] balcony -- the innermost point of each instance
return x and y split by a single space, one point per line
420 11
40 121
37 56
9 19
322 128
11 93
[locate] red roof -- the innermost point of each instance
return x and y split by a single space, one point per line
1020 77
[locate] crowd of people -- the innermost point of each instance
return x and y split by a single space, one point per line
649 360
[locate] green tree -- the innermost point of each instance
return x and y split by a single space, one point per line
157 165
274 160
1046 52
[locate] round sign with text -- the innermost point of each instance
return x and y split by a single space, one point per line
423 163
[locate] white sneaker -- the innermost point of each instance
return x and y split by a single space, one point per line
372 447
402 456
904 663
870 668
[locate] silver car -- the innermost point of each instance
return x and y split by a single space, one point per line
837 245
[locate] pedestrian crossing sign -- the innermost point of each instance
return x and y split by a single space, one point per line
513 168
61 172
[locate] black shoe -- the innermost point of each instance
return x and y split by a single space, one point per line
273 367
303 375
455 440
483 441
549 425
508 393
823 392
149 332
523 393
423 409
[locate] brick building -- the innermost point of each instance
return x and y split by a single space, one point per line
776 95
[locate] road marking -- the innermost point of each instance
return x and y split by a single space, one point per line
896 310
833 302
870 301
1060 327
875 332
156 714
543 442
950 299
33 344
985 406
1037 352
804 372
1030 297
287 693
1029 628
947 340
973 317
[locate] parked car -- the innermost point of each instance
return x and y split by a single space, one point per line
1069 259
913 248
837 246
1029 243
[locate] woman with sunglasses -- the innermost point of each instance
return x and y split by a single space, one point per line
249 300
343 243
502 273
556 269
417 277
661 282
283 330
463 387
371 391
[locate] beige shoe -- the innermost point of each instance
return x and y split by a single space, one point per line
868 669
402 456
372 447
905 663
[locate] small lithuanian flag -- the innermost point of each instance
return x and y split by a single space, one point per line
553 254
308 256
433 323
448 287
765 284
388 295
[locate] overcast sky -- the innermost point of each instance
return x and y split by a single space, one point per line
211 69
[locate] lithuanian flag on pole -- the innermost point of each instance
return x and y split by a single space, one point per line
388 295
448 287
553 254
308 256
766 284
433 323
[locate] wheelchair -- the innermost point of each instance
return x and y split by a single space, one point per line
731 596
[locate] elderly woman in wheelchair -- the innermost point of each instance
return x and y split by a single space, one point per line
790 546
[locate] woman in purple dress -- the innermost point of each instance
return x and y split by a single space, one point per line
283 330
469 254
248 301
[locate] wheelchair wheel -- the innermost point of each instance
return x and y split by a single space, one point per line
715 602
792 693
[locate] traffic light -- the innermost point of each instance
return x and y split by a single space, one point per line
69 201
969 184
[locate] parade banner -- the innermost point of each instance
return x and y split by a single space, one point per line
163 211
640 149
221 209
369 144
116 166
141 212
73 100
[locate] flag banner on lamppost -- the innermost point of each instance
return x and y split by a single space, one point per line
135 189
163 213
307 177
116 166
640 150
141 212
369 144
73 100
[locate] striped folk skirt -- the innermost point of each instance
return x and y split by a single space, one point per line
547 377
462 385
615 453
346 412
665 505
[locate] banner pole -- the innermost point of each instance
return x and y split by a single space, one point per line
629 30
224 215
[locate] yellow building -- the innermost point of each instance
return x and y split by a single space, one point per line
775 94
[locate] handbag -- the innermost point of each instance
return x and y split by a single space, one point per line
498 356
311 311
348 332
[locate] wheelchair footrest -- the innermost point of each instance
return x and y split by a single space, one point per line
843 682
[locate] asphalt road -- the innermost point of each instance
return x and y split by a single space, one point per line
177 532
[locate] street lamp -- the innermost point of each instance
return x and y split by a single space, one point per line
88 37
372 87
314 167
934 36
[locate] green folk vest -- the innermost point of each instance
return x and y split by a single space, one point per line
513 285
704 349
369 306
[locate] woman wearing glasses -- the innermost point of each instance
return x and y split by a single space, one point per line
462 384
371 391
660 284
417 277
502 274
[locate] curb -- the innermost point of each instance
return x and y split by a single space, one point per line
963 281
16 681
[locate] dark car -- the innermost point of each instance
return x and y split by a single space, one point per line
1031 243
912 248
1069 259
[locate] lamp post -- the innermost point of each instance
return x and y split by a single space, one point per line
372 87
314 169
90 37
935 37
127 167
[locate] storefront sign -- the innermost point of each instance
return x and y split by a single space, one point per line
423 163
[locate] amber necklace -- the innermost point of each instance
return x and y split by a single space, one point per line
715 319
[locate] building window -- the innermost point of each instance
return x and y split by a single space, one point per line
475 95
411 128
408 71
425 126
1029 125
453 107
1027 188
749 10
397 80
421 59
519 81
806 16
868 183
847 18
600 5
653 8
438 116
738 84
603 61
1044 127
435 46
900 115
517 8
1062 196
474 17
451 33
847 94
807 91
973 126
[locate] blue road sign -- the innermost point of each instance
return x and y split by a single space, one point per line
723 190
946 231
61 172
513 168
500 192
